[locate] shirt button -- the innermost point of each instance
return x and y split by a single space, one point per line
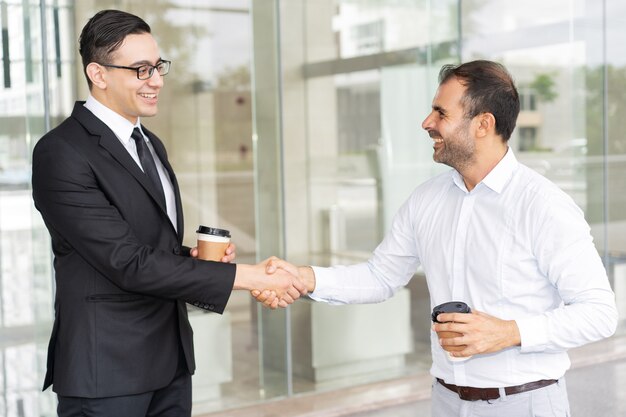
176 250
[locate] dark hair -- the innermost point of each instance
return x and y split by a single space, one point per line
489 89
104 33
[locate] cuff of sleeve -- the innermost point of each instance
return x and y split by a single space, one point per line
318 293
533 333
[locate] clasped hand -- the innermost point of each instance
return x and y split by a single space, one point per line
272 299
273 282
481 333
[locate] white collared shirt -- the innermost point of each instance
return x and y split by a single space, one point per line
123 129
515 247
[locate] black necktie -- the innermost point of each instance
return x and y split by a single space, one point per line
147 162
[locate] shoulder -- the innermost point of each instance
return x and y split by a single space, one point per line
77 124
428 196
529 182
537 196
434 187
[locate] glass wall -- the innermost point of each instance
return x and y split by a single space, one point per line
25 258
358 77
296 125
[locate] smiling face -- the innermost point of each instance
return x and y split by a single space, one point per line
119 89
449 128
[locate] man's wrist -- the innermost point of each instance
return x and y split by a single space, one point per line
515 338
307 275
243 277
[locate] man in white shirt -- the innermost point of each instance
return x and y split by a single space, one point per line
500 237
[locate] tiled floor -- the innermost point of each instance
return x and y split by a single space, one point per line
596 386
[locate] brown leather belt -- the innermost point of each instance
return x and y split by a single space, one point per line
475 394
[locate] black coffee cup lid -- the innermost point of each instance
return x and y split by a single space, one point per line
213 231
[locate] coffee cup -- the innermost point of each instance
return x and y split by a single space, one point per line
451 307
212 243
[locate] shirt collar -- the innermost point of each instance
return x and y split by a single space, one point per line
118 124
497 178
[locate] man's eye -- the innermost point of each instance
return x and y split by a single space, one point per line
143 70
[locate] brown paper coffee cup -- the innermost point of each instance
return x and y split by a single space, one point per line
447 335
212 243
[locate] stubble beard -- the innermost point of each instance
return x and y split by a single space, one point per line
459 149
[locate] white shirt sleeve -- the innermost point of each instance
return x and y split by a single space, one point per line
565 253
392 265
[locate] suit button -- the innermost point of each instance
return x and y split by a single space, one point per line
211 306
196 303
177 250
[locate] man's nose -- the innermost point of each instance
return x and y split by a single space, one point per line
156 79
427 123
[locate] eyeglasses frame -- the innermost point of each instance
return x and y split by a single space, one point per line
150 70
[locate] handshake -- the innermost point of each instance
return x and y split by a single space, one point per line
275 282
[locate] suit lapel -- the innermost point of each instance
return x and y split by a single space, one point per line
111 143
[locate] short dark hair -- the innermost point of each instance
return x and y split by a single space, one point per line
489 89
104 33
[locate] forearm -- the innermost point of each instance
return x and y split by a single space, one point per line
246 278
568 326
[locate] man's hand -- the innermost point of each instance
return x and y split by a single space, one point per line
482 333
229 256
281 287
273 264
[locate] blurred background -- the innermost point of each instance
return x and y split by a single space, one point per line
296 125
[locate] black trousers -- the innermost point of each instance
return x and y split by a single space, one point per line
173 400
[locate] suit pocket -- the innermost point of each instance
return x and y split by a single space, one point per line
120 298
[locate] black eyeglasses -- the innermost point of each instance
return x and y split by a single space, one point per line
144 72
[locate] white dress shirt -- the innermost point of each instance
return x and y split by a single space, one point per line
123 129
515 247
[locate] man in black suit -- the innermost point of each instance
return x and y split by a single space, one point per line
121 343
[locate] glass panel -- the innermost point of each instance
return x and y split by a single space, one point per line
25 267
354 149
358 113
567 83
615 108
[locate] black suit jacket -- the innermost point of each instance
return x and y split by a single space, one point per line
121 277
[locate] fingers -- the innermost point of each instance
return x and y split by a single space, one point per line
281 284
480 333
270 300
274 263
270 265
288 299
193 252
230 253
455 317
293 293
299 285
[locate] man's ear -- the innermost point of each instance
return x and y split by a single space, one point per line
97 75
485 124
